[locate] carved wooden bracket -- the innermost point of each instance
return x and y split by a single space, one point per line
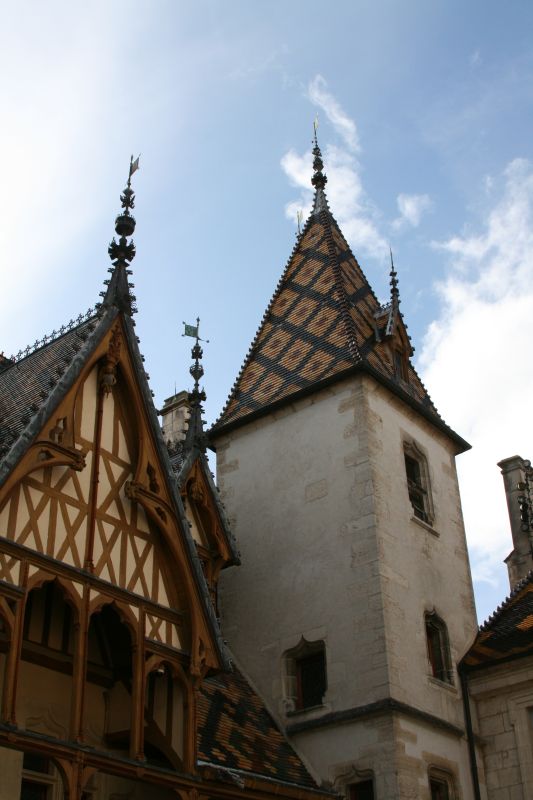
50 454
152 503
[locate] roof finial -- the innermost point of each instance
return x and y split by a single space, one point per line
318 180
195 432
394 292
122 252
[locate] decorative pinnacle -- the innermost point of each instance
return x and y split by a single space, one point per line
195 433
122 252
394 291
318 180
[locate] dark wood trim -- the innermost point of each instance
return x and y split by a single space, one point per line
54 567
79 669
95 477
386 706
13 659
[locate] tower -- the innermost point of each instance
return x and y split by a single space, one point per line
354 599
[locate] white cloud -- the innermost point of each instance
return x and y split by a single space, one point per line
475 59
345 126
411 208
348 200
476 358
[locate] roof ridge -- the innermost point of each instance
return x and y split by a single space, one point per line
515 591
72 324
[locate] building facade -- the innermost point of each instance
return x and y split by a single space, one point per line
114 679
354 599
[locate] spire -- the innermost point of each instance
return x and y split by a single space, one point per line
122 252
394 292
319 179
195 436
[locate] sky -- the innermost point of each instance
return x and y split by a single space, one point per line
425 116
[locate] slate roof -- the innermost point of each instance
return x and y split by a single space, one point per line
235 731
508 633
323 322
26 383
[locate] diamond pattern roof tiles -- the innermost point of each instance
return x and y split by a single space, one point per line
320 323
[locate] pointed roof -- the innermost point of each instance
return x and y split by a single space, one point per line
507 634
193 448
321 325
35 382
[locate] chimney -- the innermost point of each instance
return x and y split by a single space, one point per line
175 417
518 482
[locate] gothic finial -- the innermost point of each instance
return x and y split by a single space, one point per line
394 291
318 180
122 252
195 433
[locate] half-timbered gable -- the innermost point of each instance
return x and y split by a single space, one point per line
104 603
110 552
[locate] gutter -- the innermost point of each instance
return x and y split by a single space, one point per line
470 733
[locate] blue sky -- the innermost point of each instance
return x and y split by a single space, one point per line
425 114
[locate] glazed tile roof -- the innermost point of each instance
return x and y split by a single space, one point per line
26 383
508 633
323 321
235 731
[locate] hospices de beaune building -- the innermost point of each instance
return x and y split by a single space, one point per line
304 628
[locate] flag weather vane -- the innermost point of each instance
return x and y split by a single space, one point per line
195 434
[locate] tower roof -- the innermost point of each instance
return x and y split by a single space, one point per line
323 323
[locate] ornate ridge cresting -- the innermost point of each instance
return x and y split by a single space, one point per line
38 343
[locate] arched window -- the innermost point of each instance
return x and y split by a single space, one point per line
438 648
305 675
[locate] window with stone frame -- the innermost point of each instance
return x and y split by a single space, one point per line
438 648
441 785
362 790
418 487
305 675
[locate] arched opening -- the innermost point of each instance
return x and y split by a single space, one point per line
46 664
164 714
109 678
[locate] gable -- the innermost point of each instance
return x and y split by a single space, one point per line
92 493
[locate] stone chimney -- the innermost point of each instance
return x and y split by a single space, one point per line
175 417
518 482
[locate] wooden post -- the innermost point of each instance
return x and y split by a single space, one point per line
13 658
137 695
79 669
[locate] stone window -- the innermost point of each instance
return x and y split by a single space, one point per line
362 790
438 648
440 786
305 675
417 473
